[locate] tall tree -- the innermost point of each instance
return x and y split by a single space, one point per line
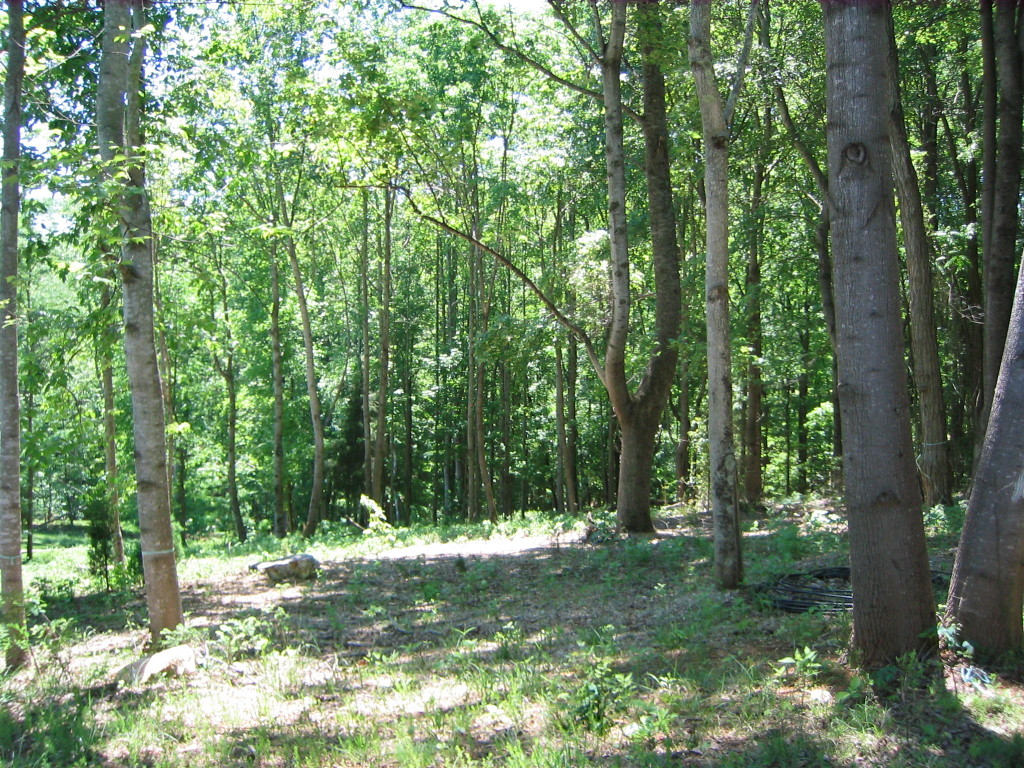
381 438
893 605
282 520
1000 247
12 605
716 116
119 114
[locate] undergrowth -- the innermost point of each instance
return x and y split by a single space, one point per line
617 653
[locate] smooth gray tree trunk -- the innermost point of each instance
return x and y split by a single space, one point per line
282 522
12 603
721 440
118 107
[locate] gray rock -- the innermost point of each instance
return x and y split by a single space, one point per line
177 661
294 568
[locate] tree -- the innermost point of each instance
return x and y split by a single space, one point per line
893 605
637 410
1002 176
118 118
716 117
936 476
987 591
12 605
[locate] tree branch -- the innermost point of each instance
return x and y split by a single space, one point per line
741 65
555 312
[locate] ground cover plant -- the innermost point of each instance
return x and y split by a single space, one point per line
536 642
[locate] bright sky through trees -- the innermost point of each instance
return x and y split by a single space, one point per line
521 6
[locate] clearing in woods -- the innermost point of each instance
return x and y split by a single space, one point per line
566 647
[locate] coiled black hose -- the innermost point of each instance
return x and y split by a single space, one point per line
802 592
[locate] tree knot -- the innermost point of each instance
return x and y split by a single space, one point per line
856 153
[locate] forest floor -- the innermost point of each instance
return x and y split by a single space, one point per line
565 646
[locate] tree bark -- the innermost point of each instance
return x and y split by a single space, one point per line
565 482
110 457
118 110
987 590
12 602
966 292
893 605
723 491
936 477
364 322
633 501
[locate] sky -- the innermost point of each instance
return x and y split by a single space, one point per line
524 6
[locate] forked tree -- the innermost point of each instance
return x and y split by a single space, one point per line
893 604
638 409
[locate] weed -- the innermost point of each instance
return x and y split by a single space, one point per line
248 636
510 640
50 591
950 640
637 553
803 665
183 634
601 693
431 590
789 544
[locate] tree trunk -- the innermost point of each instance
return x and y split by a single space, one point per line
282 522
682 459
380 443
639 413
110 458
316 492
893 605
1000 250
803 386
753 481
723 490
987 590
966 292
226 368
118 117
565 483
936 477
12 602
364 300
232 457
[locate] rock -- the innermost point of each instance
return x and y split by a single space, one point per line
179 660
294 568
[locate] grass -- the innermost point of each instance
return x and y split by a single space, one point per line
488 646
